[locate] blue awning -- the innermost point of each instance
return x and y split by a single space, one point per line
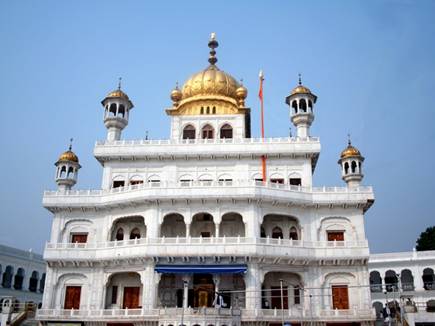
199 269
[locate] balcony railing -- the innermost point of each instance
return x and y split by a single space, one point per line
206 313
210 184
186 247
218 141
210 241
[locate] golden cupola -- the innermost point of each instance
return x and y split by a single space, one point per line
212 88
69 156
67 167
350 151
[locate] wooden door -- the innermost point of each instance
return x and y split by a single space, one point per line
79 237
275 294
340 297
336 236
72 297
131 297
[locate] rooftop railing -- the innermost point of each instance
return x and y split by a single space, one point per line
219 141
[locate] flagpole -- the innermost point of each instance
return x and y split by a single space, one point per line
260 95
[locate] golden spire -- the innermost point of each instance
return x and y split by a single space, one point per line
212 44
119 83
300 79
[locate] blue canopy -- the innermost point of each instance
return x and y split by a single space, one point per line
200 269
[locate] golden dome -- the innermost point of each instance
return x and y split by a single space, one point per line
68 156
300 89
176 94
350 151
210 81
118 94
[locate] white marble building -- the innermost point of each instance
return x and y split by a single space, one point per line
185 230
22 275
404 280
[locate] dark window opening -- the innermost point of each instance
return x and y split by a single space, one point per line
136 182
226 131
277 233
335 236
119 235
293 233
135 234
114 294
295 181
117 184
277 180
189 132
79 237
207 132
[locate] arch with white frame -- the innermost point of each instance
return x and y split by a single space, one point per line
127 224
76 226
70 279
336 224
288 224
343 280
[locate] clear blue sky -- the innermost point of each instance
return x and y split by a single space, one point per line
371 63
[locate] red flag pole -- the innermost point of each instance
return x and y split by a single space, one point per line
260 95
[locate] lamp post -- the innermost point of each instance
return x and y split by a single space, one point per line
282 302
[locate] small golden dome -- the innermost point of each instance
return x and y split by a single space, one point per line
242 92
350 151
118 94
68 156
300 89
176 94
210 81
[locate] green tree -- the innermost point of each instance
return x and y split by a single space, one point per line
426 241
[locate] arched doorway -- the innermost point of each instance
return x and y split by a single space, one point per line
375 281
232 225
124 290
203 290
428 279
173 226
291 290
391 281
202 225
407 280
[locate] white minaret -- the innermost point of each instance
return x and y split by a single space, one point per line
351 165
301 102
117 107
67 167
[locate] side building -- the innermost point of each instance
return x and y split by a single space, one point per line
404 283
22 275
194 230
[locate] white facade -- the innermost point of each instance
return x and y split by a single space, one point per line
22 275
183 223
404 280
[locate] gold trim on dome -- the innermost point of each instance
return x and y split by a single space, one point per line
217 105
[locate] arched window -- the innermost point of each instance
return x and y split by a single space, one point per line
346 168
112 110
310 105
407 280
293 233
375 282
214 110
202 110
208 110
303 105
70 172
428 279
19 277
226 131
7 277
119 234
189 132
62 171
121 110
33 282
207 132
391 281
353 166
295 106
135 234
277 233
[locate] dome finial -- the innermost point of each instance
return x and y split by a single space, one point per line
70 144
349 143
300 79
119 83
212 44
